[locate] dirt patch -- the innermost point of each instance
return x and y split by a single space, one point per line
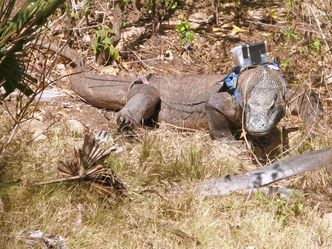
65 108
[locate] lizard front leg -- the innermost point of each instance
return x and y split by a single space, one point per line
306 104
223 113
142 104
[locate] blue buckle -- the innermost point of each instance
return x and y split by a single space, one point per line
274 65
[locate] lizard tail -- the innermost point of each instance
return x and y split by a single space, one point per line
63 51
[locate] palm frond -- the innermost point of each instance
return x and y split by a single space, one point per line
16 30
88 165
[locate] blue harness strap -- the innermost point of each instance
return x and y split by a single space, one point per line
231 85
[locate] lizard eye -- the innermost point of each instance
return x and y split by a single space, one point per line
273 104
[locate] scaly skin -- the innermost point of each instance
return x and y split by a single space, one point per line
192 101
263 91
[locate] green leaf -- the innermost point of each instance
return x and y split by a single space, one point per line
174 5
95 45
190 35
125 2
187 25
182 41
114 53
181 17
107 41
289 4
316 45
14 34
180 28
282 218
292 36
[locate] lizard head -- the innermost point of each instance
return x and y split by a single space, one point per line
264 105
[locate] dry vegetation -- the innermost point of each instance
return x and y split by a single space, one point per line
158 160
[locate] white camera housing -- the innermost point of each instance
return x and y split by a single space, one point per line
250 54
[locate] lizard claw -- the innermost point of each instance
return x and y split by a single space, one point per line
124 121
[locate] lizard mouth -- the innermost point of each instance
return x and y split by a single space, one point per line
258 134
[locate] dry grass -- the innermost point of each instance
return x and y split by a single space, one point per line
156 161
150 217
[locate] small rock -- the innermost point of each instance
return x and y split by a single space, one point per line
169 55
75 126
38 239
49 94
36 127
61 67
200 18
55 242
86 39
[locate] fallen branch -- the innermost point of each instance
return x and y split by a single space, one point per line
133 34
65 179
268 174
194 25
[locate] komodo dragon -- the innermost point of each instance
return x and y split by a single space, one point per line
202 101
195 101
